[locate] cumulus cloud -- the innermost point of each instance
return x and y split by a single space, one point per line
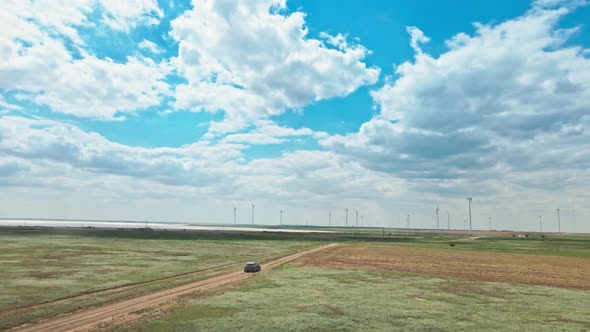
7 106
37 139
255 59
417 37
34 59
64 16
510 98
267 132
150 46
42 152
97 88
123 15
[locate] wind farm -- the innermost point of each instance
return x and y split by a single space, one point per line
189 258
289 165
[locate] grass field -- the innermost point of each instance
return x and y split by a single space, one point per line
42 266
572 246
298 298
373 281
385 287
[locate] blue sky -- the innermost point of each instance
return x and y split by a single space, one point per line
388 107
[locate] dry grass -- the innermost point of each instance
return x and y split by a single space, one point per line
555 271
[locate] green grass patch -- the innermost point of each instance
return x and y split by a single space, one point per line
46 266
320 299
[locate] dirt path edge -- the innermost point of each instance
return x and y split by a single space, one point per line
88 318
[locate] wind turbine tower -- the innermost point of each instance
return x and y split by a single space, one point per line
330 218
541 224
470 225
437 225
558 221
357 217
281 221
235 211
346 217
253 206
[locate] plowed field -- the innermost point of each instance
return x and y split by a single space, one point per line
554 271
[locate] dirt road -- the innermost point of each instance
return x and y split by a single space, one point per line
87 319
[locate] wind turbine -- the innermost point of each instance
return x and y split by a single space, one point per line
357 217
437 227
541 224
470 226
490 223
558 221
330 218
235 210
408 220
253 206
448 220
282 216
346 217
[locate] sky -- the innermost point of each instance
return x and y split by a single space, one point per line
177 110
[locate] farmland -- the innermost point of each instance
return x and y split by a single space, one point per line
48 272
327 299
391 287
379 280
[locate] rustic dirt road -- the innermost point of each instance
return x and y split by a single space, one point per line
87 319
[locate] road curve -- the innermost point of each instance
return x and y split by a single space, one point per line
86 319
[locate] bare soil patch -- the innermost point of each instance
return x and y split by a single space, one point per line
554 271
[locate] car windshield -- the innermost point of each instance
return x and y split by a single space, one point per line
396 165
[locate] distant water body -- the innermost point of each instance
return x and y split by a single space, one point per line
139 225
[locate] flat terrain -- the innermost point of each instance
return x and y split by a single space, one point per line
88 319
546 270
300 298
385 287
49 272
377 280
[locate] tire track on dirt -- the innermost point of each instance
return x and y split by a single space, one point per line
86 319
120 288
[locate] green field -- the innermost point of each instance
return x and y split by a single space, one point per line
572 246
317 299
42 266
296 298
47 272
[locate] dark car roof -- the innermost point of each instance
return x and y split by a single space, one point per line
251 263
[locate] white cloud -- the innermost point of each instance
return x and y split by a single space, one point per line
46 140
58 155
33 60
267 132
150 46
66 172
64 16
251 60
101 89
509 99
417 37
123 15
7 106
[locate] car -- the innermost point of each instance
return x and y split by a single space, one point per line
252 267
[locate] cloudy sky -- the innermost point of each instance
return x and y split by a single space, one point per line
173 110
